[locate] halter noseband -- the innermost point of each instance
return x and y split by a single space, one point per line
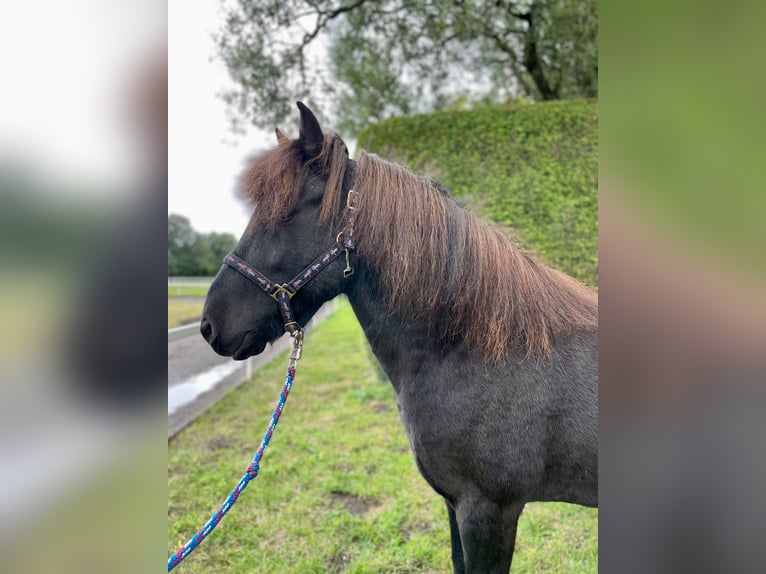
282 293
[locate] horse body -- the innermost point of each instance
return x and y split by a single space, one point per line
489 432
489 439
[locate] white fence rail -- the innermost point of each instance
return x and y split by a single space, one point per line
190 280
183 331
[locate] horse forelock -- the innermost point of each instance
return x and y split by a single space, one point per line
274 181
438 262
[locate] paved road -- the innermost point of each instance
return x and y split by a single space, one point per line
197 377
190 356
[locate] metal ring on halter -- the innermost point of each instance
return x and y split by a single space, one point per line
281 289
351 199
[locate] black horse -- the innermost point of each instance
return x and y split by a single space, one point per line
493 356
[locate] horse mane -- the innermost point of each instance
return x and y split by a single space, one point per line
274 181
439 263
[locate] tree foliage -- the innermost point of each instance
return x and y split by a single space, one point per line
195 254
399 57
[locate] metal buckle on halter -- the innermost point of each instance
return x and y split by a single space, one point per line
297 337
348 271
281 289
351 199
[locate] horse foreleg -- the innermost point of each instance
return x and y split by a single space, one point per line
488 535
458 564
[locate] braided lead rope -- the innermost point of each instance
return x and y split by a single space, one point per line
253 467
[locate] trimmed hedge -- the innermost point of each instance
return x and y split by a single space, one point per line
532 168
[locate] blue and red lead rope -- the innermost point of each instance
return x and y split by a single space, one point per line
250 474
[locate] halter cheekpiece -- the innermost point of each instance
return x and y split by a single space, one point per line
282 293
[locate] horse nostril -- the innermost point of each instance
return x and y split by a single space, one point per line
205 328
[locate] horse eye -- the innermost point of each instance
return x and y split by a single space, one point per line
289 218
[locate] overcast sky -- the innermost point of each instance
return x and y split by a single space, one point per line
204 156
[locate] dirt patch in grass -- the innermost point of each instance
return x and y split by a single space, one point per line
354 504
339 562
380 408
421 527
220 442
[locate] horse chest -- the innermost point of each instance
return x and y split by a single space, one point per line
434 438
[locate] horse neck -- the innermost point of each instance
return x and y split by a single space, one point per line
402 346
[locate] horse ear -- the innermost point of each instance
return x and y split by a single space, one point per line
311 137
280 136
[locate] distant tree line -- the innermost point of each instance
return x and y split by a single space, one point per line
195 254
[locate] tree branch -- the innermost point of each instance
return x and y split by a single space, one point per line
343 9
324 17
533 63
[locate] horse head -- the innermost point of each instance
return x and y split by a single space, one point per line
299 192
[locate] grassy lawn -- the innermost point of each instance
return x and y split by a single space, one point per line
338 490
187 290
181 312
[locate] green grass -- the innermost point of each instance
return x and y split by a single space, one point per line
187 290
338 490
530 168
182 312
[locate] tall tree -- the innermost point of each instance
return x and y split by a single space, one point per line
181 238
394 57
211 249
191 253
